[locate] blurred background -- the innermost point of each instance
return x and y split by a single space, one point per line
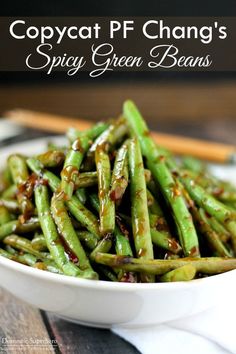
194 104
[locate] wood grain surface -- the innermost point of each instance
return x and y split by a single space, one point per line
20 326
76 339
26 330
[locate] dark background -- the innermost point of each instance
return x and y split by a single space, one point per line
119 8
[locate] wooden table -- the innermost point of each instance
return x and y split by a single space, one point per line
207 111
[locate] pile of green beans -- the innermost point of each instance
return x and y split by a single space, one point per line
114 205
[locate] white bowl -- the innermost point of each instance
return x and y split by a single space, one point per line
104 304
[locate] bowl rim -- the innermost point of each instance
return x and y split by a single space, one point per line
102 284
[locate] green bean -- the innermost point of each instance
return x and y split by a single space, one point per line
225 196
26 258
122 244
48 265
219 229
73 134
36 166
206 201
153 205
84 216
211 236
94 201
222 190
5 216
5 179
77 209
123 248
103 246
95 130
170 255
24 197
92 133
154 189
25 245
90 179
39 243
139 208
11 205
162 175
18 168
69 175
51 159
184 273
107 205
52 238
161 238
231 206
6 254
81 195
160 232
86 179
210 265
75 157
193 164
120 174
15 226
6 174
147 175
10 192
209 226
10 249
213 186
88 239
31 260
68 233
20 175
108 273
215 208
72 164
202 221
116 131
52 146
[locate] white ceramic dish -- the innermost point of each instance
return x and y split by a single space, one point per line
104 304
